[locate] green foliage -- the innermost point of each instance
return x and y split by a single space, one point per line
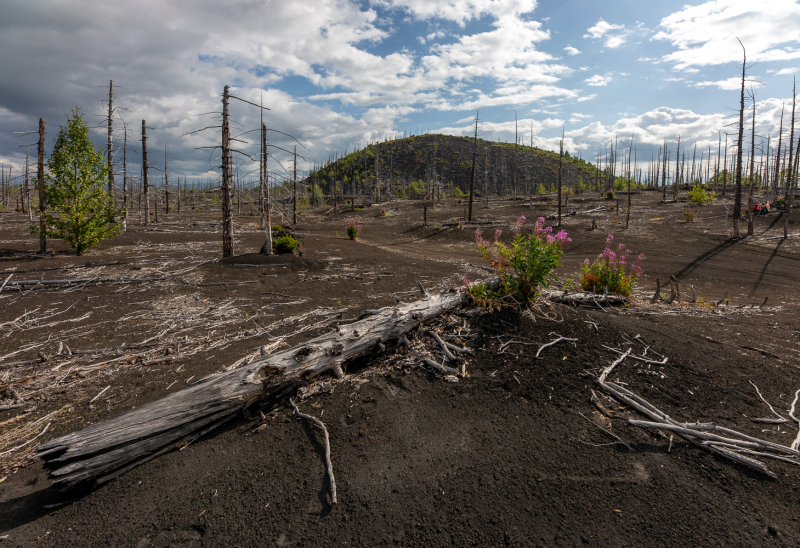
457 193
302 200
608 271
316 192
528 262
700 196
353 228
401 194
75 189
610 195
689 214
384 213
285 244
416 187
276 228
540 189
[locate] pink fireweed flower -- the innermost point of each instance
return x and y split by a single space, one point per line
518 225
497 234
637 270
479 239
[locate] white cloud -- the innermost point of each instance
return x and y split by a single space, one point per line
599 80
571 50
784 71
729 84
505 130
587 98
706 34
461 11
614 35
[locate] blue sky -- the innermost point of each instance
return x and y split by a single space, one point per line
341 74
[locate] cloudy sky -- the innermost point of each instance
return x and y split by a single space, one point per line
339 74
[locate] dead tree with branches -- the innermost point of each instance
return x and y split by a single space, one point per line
40 181
737 201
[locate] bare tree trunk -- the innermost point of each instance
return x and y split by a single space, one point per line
111 142
166 181
725 167
267 248
294 189
472 180
788 198
40 177
677 169
227 217
752 173
516 141
145 178
664 174
560 170
628 212
737 202
26 193
125 177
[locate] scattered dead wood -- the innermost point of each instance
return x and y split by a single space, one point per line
719 440
104 450
583 298
328 462
551 343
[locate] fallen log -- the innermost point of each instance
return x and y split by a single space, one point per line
102 451
583 298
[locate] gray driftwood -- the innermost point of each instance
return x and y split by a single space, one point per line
103 451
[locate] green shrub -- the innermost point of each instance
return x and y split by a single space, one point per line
384 213
353 228
700 196
276 228
285 244
610 195
528 262
689 214
608 271
83 212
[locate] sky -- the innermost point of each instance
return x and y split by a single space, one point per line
340 74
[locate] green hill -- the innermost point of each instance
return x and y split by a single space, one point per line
413 167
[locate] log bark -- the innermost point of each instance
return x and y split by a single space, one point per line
103 451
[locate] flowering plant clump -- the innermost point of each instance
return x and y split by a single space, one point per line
528 262
353 228
384 213
608 271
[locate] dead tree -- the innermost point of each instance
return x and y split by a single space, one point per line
628 212
266 218
40 181
166 181
145 178
294 188
752 166
516 142
110 141
677 169
472 180
227 217
26 197
788 197
560 170
737 202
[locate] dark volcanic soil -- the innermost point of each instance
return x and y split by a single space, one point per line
501 458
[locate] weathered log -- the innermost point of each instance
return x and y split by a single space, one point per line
104 450
583 298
